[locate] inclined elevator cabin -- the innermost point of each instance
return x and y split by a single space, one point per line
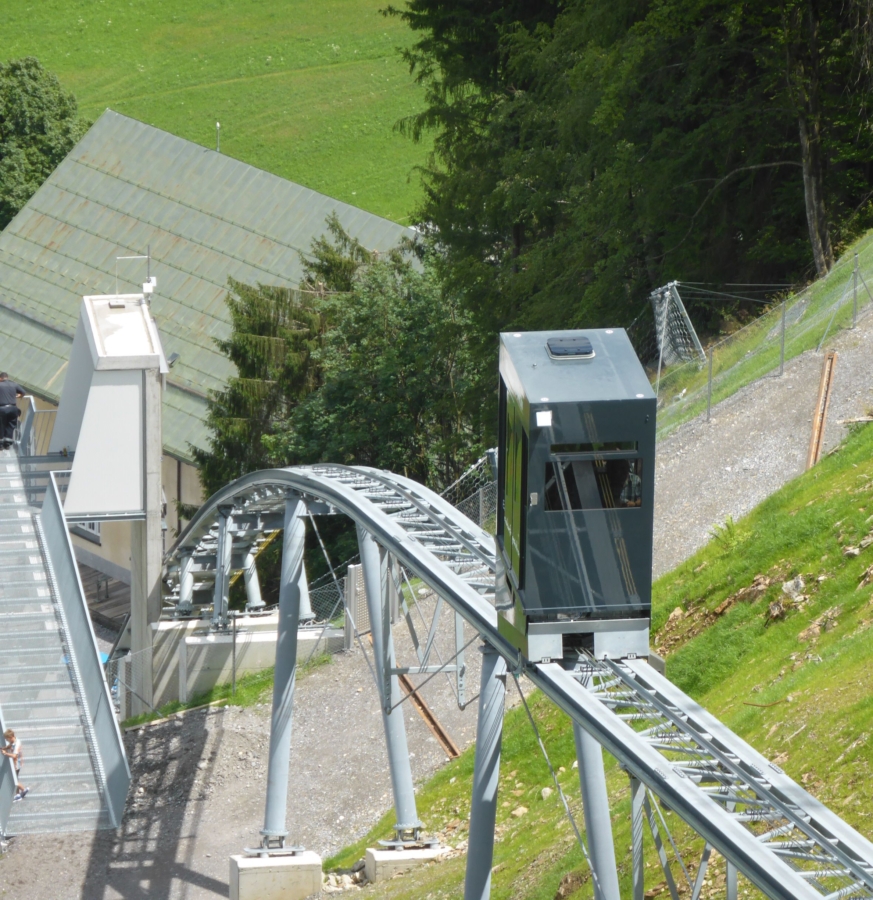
576 471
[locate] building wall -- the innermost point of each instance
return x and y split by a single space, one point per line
109 551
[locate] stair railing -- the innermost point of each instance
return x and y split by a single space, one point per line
104 733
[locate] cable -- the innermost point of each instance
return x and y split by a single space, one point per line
335 584
433 675
348 612
598 890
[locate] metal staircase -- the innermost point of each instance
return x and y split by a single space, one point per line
47 683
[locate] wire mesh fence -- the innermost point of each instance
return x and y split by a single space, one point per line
801 322
475 492
327 600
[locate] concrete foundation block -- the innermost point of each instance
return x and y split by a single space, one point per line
380 865
275 877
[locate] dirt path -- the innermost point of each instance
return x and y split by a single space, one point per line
198 782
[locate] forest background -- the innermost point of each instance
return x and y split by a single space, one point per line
573 155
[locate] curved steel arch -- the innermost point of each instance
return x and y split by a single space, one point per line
783 840
440 545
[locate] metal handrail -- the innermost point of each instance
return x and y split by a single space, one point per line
35 428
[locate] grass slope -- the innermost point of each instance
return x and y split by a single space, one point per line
792 677
308 91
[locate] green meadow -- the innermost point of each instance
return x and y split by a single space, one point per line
310 91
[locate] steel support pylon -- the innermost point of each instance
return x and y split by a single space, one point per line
293 582
486 772
223 555
374 561
252 583
598 824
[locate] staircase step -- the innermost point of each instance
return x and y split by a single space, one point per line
29 635
42 822
38 600
16 722
36 688
39 696
34 777
59 757
10 618
38 667
52 796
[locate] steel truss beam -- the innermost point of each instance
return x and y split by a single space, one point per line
783 840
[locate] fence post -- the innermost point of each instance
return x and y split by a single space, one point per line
349 604
855 293
183 669
123 681
782 348
233 659
709 387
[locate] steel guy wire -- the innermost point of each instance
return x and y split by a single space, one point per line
433 675
348 613
678 855
335 583
424 623
560 791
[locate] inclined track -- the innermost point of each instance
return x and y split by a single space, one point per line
784 841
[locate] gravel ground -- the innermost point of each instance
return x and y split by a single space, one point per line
756 441
197 793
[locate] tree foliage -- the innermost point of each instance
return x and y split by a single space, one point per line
588 151
274 332
370 362
39 125
399 388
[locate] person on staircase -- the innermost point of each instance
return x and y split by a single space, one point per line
9 411
13 751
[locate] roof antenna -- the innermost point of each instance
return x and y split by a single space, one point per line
218 137
150 283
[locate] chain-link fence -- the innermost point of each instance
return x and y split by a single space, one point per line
475 492
800 322
327 600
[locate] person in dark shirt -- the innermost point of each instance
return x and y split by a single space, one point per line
9 411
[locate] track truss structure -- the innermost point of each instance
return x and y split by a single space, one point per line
767 827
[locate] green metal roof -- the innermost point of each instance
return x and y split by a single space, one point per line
127 186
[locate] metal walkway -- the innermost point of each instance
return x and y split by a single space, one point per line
781 838
45 696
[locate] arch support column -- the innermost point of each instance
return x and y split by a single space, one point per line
293 579
374 560
486 771
252 583
186 584
595 804
223 553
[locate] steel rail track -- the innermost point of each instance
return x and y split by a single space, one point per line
782 839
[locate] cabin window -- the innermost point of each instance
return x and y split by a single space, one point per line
599 483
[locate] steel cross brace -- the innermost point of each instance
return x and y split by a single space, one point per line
828 867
